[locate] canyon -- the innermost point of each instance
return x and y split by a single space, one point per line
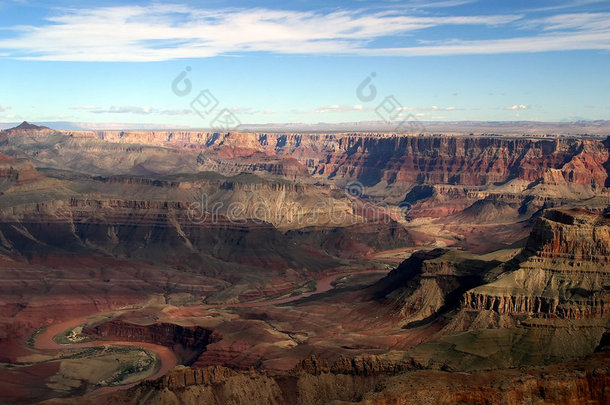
284 267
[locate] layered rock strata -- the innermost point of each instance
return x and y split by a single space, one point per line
563 272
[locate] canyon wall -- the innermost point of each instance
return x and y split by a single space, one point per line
581 382
438 176
187 342
372 158
564 271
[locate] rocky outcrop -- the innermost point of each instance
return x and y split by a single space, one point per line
395 160
515 176
26 126
581 382
541 306
355 240
578 235
312 382
252 161
568 383
17 172
188 342
159 231
405 159
183 377
368 366
430 283
564 271
147 228
357 366
607 164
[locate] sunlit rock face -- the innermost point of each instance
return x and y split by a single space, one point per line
565 272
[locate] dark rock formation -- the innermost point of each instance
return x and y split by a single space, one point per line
582 382
26 126
430 283
187 342
564 271
357 366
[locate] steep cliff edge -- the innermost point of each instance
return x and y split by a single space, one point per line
582 382
564 272
430 283
607 164
17 174
548 304
187 342
383 160
372 158
506 179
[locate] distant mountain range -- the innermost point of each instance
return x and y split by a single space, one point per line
598 128
26 126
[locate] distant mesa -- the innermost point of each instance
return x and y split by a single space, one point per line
26 126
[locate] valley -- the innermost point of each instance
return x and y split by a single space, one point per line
302 268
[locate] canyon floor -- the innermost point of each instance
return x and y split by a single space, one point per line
292 268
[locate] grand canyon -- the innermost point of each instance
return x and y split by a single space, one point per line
454 265
390 202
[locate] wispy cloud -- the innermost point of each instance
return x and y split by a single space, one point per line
566 5
339 108
138 111
581 40
84 107
439 4
5 108
517 107
335 108
184 111
164 32
572 21
243 110
431 108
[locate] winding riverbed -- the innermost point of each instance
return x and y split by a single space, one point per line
44 340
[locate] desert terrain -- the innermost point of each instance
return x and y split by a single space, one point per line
293 267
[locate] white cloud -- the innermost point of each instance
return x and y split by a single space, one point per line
5 108
164 32
517 107
122 126
140 111
335 108
84 107
431 108
184 111
125 110
572 21
585 40
571 4
243 110
439 4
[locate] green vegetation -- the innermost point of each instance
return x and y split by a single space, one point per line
72 335
309 286
132 361
356 280
32 338
65 355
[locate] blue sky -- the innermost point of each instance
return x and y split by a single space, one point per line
302 61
